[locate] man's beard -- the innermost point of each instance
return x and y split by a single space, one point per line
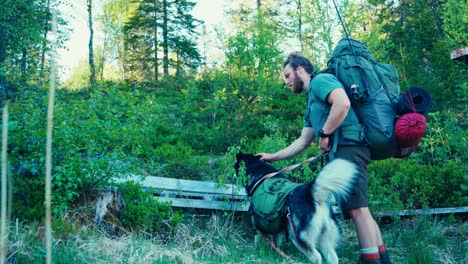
298 85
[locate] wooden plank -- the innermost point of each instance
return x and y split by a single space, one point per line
186 185
433 211
199 196
206 204
459 54
215 205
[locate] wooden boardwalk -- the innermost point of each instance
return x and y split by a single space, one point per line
195 194
214 196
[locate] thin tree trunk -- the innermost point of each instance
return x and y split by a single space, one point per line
4 221
299 8
44 42
3 55
92 73
103 59
178 63
166 40
155 37
23 65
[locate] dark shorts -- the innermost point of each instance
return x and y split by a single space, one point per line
360 155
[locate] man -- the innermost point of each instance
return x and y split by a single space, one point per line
329 116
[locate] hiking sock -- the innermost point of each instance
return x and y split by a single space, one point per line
384 257
369 255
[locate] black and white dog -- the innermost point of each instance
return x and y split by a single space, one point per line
312 225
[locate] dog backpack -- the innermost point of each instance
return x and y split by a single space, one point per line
268 204
373 89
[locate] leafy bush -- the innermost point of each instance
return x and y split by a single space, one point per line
143 212
433 176
97 134
117 129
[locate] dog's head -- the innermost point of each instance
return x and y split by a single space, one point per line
255 168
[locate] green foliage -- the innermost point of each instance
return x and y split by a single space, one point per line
64 229
421 238
144 41
252 53
218 239
433 176
143 212
109 135
24 26
410 35
455 23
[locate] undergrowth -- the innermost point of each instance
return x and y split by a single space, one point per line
226 238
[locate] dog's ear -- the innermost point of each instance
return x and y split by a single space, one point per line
238 161
241 157
246 157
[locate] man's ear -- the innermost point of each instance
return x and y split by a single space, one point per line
299 69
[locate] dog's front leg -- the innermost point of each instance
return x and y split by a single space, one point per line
280 237
258 234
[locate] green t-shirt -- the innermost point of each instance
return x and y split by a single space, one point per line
318 108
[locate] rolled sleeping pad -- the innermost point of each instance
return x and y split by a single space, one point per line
421 99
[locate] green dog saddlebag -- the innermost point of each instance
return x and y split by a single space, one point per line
268 204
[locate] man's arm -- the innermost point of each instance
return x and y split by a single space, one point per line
299 145
340 105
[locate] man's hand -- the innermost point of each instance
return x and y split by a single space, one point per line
266 157
324 144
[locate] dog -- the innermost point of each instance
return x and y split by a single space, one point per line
310 221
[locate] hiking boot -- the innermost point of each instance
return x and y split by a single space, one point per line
385 258
363 261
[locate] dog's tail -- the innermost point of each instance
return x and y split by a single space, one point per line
336 179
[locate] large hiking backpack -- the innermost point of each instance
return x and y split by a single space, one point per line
373 89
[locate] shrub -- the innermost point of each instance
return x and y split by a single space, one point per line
144 213
433 176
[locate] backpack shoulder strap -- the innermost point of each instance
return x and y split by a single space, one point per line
327 70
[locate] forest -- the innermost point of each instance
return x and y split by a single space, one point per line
150 99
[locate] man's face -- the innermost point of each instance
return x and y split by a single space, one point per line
292 79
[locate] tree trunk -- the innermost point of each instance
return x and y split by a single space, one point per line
23 64
92 73
178 67
166 40
155 30
299 9
3 79
44 43
102 61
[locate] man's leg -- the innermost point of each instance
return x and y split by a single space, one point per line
367 230
356 206
368 234
384 256
370 237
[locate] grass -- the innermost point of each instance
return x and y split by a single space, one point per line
226 239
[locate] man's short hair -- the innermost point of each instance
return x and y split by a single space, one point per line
297 59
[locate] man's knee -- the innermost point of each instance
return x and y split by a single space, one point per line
359 213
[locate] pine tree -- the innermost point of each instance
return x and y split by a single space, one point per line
162 25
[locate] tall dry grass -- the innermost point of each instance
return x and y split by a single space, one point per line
48 164
224 239
4 221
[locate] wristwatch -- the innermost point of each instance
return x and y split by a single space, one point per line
323 135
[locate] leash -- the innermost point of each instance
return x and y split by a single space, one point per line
273 245
292 167
291 225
